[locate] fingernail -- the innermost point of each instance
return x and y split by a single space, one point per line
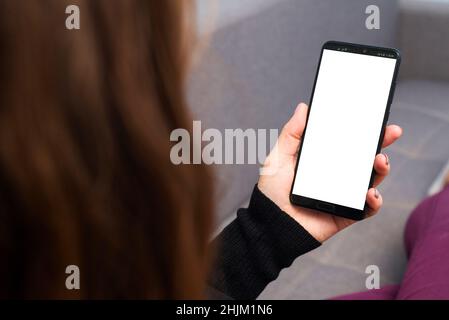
387 160
297 108
376 194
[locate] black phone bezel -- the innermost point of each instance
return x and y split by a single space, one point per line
332 208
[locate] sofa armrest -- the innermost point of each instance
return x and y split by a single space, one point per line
423 39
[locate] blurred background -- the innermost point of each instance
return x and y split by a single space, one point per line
259 61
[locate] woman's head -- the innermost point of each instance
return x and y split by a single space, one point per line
85 173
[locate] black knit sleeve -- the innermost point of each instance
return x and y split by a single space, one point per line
255 247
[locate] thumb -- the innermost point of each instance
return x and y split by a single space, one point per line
292 132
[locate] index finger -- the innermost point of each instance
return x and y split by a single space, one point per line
392 133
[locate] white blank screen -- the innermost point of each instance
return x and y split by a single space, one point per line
344 127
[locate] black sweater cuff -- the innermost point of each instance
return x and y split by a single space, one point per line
256 246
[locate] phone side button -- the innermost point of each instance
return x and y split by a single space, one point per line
325 207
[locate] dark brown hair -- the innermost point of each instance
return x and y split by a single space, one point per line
85 173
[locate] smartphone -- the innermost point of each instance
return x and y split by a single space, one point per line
348 112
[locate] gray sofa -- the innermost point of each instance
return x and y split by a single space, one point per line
260 62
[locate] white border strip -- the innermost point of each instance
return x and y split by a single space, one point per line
438 183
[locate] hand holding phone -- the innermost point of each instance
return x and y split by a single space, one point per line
282 161
353 91
343 142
